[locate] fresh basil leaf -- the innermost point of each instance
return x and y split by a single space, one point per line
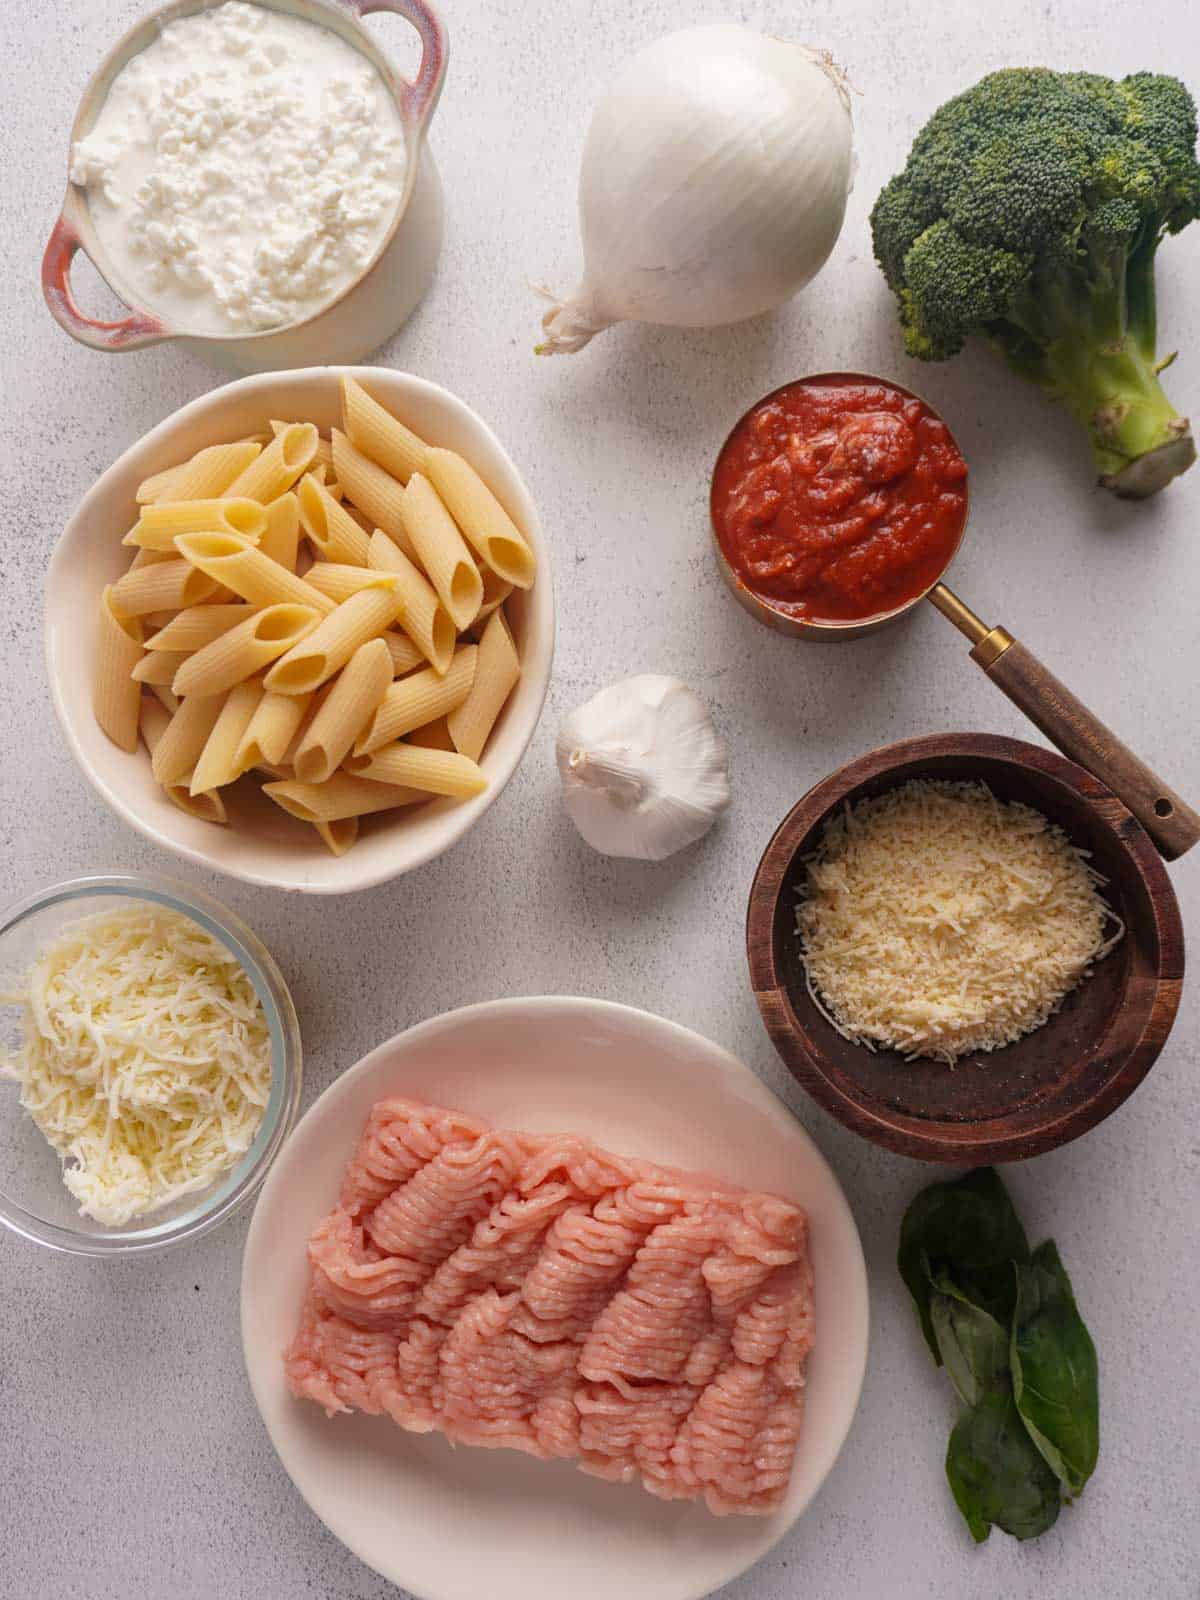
969 1226
971 1343
1055 1380
996 1475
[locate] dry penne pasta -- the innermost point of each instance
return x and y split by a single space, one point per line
163 586
424 617
349 706
158 525
150 558
375 492
495 592
232 561
417 700
440 549
379 435
322 461
236 655
337 836
271 730
217 762
207 474
419 767
483 520
116 698
324 612
433 736
331 529
158 666
496 672
209 807
184 737
404 653
326 650
339 797
290 453
339 582
197 626
281 541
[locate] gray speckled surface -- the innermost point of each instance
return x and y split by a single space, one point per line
132 1461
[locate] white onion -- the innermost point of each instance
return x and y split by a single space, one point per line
714 183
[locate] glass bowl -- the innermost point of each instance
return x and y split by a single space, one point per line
34 1201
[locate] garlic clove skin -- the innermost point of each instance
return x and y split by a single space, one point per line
644 772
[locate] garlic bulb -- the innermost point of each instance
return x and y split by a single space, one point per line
643 770
713 184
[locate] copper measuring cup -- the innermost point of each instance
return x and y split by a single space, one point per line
1171 823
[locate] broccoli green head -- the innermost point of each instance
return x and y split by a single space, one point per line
1029 212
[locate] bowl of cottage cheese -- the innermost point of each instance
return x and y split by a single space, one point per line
252 179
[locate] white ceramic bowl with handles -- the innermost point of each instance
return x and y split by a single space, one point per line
263 846
383 295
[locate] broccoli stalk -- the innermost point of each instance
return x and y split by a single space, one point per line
1030 213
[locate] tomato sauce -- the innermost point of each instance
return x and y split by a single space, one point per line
839 498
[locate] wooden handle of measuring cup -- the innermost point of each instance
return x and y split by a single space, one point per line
1079 734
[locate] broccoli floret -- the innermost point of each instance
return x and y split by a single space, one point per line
1030 212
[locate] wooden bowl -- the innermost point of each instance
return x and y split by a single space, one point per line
1048 1087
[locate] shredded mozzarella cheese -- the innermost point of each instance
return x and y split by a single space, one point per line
938 920
145 1059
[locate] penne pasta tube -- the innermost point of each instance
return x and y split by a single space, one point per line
356 692
281 541
424 617
418 767
290 453
440 548
150 558
375 492
322 461
339 797
271 730
338 836
236 655
326 650
233 561
158 525
207 474
158 666
209 807
165 698
331 529
334 490
197 626
185 736
404 653
216 764
116 698
495 592
433 736
163 586
417 700
484 522
377 433
339 582
496 672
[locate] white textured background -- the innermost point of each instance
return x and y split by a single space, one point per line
132 1461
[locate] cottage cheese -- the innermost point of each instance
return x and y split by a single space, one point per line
243 170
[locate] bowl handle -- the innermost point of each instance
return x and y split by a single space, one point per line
137 329
419 97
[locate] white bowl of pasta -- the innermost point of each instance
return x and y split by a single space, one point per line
302 631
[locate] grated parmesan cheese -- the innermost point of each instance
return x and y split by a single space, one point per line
145 1059
938 920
